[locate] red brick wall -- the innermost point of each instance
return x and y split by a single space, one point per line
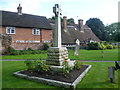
46 35
23 34
26 34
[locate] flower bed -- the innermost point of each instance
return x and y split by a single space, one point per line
56 79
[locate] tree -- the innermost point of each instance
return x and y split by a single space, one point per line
112 31
117 36
71 20
97 27
52 18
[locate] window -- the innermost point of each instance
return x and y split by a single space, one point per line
20 41
10 30
47 41
36 31
30 41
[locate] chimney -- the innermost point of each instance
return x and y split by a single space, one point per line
19 8
65 22
80 24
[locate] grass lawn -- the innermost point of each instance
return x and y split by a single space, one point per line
95 78
109 55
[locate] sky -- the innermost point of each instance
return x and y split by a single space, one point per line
105 10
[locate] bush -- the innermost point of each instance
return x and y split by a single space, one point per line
78 64
46 46
29 64
102 46
36 52
37 65
41 66
29 49
104 42
109 46
99 46
93 46
11 51
114 47
66 68
6 41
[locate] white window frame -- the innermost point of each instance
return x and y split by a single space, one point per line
35 31
11 28
47 41
20 41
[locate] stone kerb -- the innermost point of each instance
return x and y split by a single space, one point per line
54 82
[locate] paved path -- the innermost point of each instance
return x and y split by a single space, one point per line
80 60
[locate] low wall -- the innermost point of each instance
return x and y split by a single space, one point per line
23 46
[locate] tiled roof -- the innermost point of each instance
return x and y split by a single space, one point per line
70 35
24 20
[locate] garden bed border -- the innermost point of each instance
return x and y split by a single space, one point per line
54 82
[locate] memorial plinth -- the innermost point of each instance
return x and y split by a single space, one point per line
56 55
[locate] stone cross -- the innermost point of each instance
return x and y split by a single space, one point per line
57 54
57 31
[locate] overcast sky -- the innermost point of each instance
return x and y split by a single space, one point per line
105 10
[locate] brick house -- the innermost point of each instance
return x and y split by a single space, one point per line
31 31
27 31
72 32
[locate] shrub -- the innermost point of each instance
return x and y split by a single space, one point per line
102 46
6 41
46 46
78 64
37 65
109 46
29 49
66 68
114 47
93 46
11 51
104 42
29 64
41 66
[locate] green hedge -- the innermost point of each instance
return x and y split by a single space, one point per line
12 51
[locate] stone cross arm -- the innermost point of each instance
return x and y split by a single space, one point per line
57 10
